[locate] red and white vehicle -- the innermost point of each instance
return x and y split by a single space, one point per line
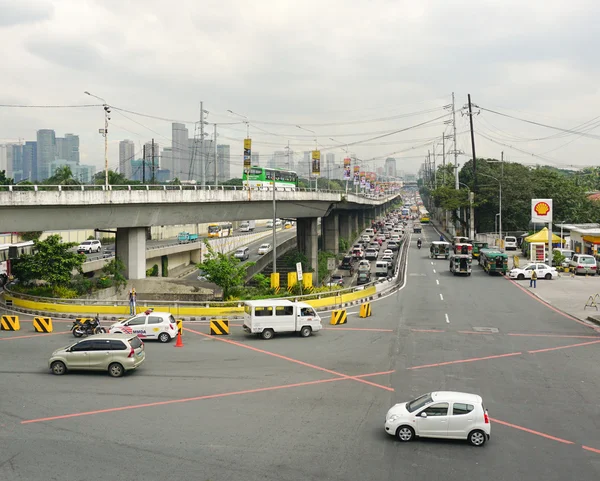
148 325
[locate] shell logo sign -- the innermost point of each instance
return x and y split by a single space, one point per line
541 211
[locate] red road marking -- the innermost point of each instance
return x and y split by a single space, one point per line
593 450
466 360
568 316
34 335
426 330
358 329
563 347
531 431
553 335
197 398
302 363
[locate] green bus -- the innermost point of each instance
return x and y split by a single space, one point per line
261 178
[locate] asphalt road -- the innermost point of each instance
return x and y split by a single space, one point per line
240 408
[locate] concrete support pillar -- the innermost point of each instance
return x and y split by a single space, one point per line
355 223
330 231
347 225
196 256
307 237
361 220
131 249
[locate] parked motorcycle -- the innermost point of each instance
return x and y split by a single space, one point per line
87 327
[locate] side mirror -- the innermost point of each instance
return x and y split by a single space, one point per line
423 414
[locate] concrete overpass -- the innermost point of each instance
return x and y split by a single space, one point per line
130 209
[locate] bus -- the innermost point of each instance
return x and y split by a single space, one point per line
222 229
261 178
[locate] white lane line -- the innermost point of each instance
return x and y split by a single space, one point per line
350 313
441 297
434 271
437 282
447 319
431 262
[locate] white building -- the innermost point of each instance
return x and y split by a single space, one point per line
126 155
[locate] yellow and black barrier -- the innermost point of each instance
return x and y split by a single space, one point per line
365 310
42 324
10 323
180 326
219 327
339 317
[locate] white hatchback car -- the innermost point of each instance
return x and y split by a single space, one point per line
543 271
442 414
148 325
264 249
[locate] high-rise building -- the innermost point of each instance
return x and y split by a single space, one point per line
180 146
255 158
67 148
15 162
328 167
126 155
46 153
166 163
224 162
280 159
30 160
390 167
152 157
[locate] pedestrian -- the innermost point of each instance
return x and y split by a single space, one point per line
533 280
132 301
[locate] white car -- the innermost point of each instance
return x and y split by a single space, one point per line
371 254
543 271
89 246
442 414
388 252
264 249
364 266
389 258
148 325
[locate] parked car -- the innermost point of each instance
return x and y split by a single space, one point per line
89 246
567 254
148 325
583 264
114 353
543 271
265 249
510 243
442 414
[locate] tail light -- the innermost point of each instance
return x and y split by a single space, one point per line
486 418
579 267
132 352
593 267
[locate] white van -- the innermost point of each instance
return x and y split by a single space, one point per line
381 268
266 317
510 243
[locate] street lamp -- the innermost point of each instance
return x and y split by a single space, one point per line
104 132
316 148
500 202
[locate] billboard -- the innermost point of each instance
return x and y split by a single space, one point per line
541 211
347 163
363 180
356 175
247 153
316 162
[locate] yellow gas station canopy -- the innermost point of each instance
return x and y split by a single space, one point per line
542 236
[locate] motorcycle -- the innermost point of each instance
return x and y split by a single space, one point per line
418 245
87 327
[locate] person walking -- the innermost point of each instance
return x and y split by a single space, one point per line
533 280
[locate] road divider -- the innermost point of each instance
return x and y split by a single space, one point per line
365 310
42 324
219 327
10 323
338 317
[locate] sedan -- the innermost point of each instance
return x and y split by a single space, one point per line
264 249
388 252
371 254
389 258
393 246
336 280
543 271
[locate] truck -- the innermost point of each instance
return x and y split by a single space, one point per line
269 316
185 237
248 226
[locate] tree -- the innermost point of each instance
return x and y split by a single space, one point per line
114 178
115 269
62 176
5 180
29 236
52 261
224 270
235 182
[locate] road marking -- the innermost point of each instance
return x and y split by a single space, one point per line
563 347
351 313
285 358
593 450
431 262
358 329
427 330
434 271
447 318
465 360
441 297
200 398
531 431
437 282
552 335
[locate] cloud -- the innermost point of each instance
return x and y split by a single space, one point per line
20 12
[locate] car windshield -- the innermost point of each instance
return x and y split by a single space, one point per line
418 403
87 243
264 246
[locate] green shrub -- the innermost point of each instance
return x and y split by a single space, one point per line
64 292
103 283
153 271
83 286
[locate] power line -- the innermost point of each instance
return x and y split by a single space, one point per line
50 106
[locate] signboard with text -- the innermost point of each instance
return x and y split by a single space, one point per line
247 153
316 162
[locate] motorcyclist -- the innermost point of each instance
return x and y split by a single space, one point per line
419 242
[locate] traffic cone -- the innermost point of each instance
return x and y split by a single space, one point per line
179 342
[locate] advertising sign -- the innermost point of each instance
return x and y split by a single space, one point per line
316 162
541 211
247 153
347 172
356 175
299 270
363 180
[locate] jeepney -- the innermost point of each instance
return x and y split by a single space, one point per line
460 240
463 249
495 261
461 264
477 246
439 249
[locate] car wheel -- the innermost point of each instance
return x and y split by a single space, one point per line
548 276
58 368
164 337
477 438
116 370
305 331
405 434
268 334
520 277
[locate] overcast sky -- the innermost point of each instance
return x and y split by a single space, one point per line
282 63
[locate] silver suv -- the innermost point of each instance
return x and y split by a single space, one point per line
583 264
115 353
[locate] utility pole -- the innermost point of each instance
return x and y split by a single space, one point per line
443 159
202 161
274 229
153 179
455 147
144 165
216 170
475 188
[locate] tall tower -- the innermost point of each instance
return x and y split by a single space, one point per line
126 155
46 152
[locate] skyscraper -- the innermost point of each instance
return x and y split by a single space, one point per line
30 160
67 148
224 162
390 167
181 151
46 152
280 159
328 170
152 162
126 155
255 158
